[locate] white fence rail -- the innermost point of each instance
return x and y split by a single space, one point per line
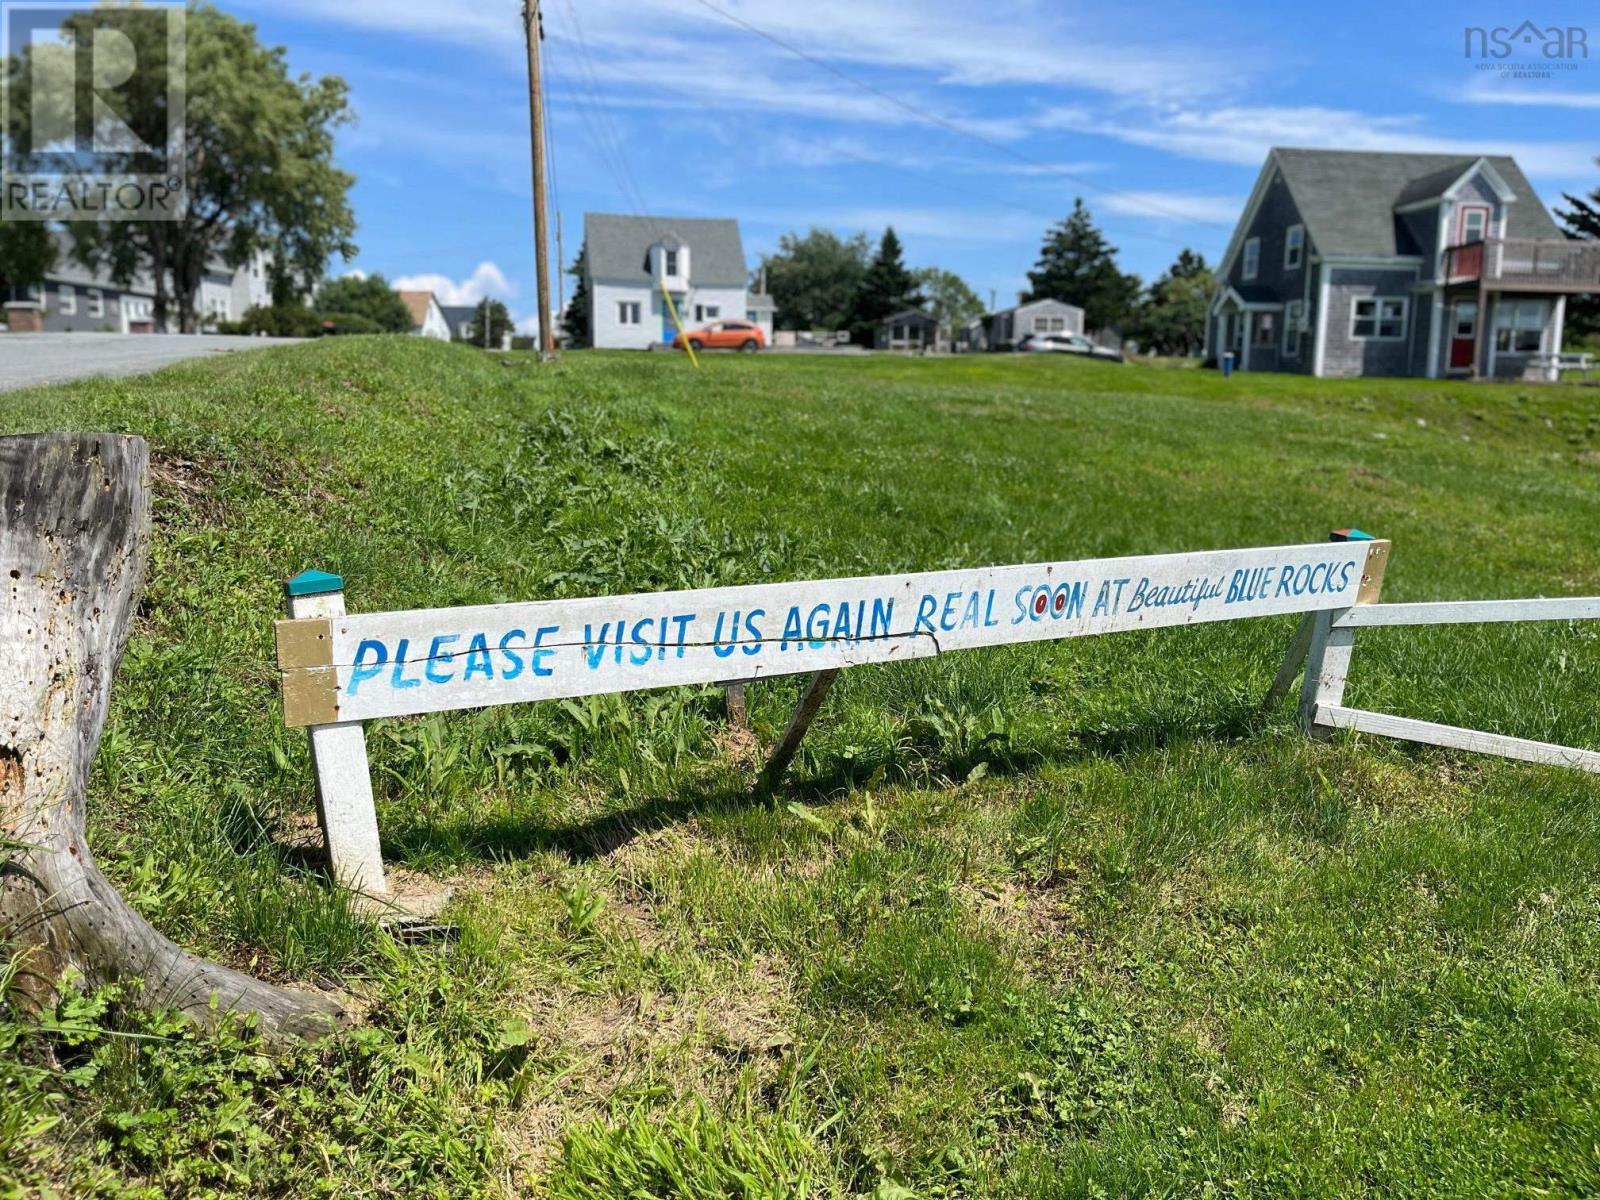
1332 643
340 669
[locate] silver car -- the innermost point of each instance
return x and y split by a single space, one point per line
1067 343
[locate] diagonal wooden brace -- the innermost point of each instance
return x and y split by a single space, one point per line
805 712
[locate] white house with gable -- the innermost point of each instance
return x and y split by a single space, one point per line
700 262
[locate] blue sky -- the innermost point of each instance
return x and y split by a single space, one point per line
1158 114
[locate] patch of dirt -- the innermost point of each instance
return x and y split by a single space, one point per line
739 745
699 1041
190 483
1040 919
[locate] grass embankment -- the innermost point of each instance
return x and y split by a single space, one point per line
1054 920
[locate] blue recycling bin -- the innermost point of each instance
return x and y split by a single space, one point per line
1227 363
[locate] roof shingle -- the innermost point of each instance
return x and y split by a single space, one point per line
616 247
1347 198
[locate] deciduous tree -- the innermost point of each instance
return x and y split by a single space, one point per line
814 277
27 252
948 297
368 296
259 170
1172 318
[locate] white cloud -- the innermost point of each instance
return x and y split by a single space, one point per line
1490 91
1243 134
953 40
486 280
1176 206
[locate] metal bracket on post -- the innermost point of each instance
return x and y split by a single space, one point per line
805 712
345 809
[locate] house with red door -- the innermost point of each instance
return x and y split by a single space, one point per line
1353 263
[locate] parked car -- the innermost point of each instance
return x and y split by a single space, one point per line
723 335
1067 343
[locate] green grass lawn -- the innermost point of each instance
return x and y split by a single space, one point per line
1067 919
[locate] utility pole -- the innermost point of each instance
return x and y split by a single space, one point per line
533 28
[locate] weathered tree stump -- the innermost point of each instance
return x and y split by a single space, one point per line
74 537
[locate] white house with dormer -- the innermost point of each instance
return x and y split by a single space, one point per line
631 261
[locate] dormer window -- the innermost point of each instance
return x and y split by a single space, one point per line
1252 258
670 263
1474 223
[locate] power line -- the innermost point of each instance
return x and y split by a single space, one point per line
604 134
930 118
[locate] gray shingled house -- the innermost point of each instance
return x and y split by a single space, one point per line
1349 263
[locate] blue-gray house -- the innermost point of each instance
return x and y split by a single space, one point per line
1350 263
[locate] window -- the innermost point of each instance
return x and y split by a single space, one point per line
1266 329
1041 324
707 312
1294 247
1519 326
1294 319
97 302
1378 318
669 262
1058 324
1474 223
627 312
1252 257
67 297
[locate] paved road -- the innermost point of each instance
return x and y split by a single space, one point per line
27 359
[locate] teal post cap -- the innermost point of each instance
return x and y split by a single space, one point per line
1351 535
313 583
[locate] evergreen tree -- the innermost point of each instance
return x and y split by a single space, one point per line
1582 220
575 321
499 318
886 288
1172 319
1077 265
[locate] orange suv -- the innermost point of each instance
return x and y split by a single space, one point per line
723 335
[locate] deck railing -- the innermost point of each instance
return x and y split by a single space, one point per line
1540 264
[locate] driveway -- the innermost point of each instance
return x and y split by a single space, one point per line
27 359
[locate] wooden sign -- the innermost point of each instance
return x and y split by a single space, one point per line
355 667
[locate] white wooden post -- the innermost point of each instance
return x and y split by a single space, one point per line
1327 666
339 758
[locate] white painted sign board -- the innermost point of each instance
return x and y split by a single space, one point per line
367 665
